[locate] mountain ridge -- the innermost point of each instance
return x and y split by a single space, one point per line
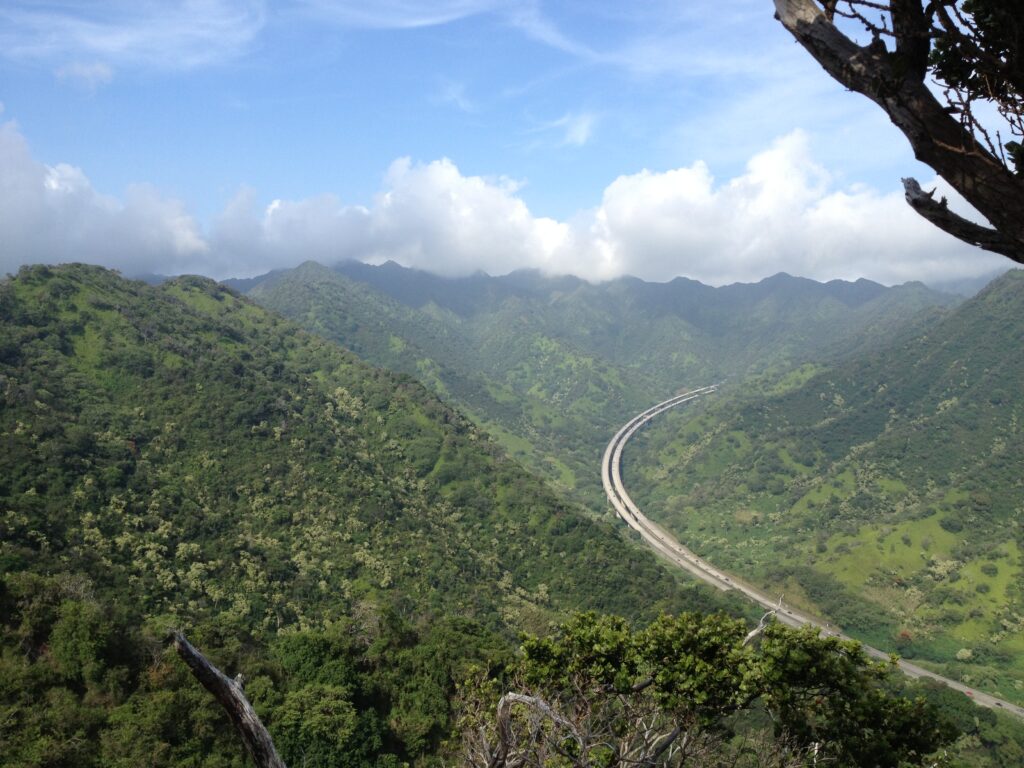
881 490
552 365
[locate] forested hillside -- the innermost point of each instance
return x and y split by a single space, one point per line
552 366
179 457
884 493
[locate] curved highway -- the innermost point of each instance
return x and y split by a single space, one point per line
667 546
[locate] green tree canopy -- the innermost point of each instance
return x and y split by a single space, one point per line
686 690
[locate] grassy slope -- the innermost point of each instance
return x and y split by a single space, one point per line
884 492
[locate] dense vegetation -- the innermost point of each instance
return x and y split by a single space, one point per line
884 493
552 366
178 456
699 690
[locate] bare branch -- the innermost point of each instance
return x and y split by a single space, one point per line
665 744
229 694
764 622
938 213
937 137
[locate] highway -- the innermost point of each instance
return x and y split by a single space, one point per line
668 547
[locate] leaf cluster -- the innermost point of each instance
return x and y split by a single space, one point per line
606 687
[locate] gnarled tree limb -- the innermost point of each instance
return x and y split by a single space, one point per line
939 214
895 82
761 625
229 693
499 756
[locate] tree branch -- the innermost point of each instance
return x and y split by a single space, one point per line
937 138
752 634
665 744
913 42
939 214
229 694
642 685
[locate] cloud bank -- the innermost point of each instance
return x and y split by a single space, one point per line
53 214
783 213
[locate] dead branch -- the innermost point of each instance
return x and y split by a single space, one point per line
895 82
938 213
764 622
229 694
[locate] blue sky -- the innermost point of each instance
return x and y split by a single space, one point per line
227 137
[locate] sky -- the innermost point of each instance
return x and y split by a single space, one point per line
590 137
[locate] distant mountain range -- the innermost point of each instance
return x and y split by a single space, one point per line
552 365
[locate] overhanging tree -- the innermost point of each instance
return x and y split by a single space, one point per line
970 51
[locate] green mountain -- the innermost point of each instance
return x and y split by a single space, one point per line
552 366
176 456
883 492
179 456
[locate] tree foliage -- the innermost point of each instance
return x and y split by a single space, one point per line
692 690
179 457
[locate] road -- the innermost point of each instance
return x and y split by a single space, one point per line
668 547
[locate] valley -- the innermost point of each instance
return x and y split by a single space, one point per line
810 371
854 423
875 492
180 457
551 366
666 545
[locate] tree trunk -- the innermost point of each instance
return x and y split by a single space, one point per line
895 81
229 693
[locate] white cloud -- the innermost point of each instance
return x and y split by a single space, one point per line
455 94
576 128
524 15
89 76
397 14
52 213
428 215
527 17
783 213
434 217
247 241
